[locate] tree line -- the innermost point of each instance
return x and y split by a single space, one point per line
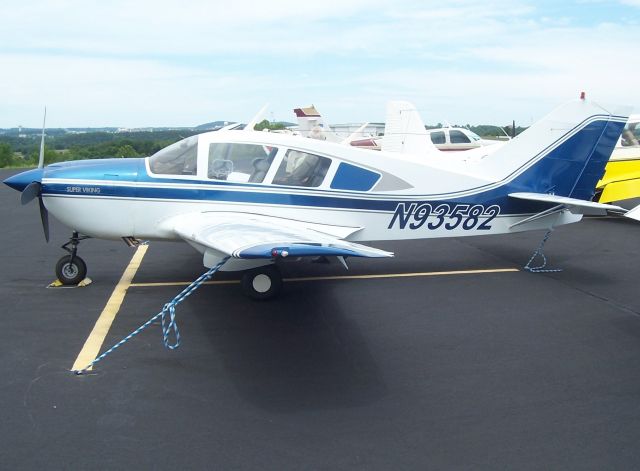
23 151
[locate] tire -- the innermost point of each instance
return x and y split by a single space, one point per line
262 283
71 273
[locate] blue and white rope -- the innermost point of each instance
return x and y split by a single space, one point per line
167 317
538 252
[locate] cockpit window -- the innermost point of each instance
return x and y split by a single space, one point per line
473 136
240 163
437 137
180 158
302 169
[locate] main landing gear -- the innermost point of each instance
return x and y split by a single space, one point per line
71 269
262 283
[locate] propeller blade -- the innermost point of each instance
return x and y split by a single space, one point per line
30 192
41 159
44 217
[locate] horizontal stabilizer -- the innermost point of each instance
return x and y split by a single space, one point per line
574 205
621 190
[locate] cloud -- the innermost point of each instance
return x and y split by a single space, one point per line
171 63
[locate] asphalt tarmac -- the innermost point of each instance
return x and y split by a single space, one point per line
495 370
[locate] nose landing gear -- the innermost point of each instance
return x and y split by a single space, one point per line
71 269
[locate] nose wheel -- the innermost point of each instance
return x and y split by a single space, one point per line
71 269
262 283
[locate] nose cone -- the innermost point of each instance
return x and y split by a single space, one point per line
22 180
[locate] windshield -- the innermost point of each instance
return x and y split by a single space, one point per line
473 135
180 158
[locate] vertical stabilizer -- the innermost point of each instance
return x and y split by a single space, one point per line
564 153
404 131
311 124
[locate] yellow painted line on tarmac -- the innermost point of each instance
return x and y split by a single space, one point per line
404 275
94 342
341 277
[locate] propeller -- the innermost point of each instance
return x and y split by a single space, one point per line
30 192
41 159
34 189
44 217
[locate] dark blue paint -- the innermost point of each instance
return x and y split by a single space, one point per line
22 180
298 250
350 177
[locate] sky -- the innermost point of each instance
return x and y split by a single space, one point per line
183 63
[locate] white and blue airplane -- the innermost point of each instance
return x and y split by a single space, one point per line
256 197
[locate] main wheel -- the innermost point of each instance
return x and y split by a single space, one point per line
71 272
262 283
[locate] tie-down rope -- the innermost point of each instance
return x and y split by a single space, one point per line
170 332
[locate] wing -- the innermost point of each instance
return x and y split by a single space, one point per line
249 236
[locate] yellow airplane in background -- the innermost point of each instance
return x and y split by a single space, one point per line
621 180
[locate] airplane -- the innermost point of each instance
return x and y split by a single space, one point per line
405 132
621 180
311 124
403 123
450 138
249 199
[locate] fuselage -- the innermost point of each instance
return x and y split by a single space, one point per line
390 196
386 194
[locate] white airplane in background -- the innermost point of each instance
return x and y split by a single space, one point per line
403 123
252 198
405 132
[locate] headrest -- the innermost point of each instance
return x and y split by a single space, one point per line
261 164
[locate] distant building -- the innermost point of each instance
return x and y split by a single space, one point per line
345 130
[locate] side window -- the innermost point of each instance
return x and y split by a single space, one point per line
302 169
458 137
239 163
180 158
437 137
350 177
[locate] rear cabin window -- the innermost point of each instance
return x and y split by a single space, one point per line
458 137
438 137
180 158
239 163
302 169
350 177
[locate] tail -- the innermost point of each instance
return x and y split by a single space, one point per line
563 154
404 130
311 124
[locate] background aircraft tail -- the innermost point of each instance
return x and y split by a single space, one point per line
564 153
404 130
311 124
